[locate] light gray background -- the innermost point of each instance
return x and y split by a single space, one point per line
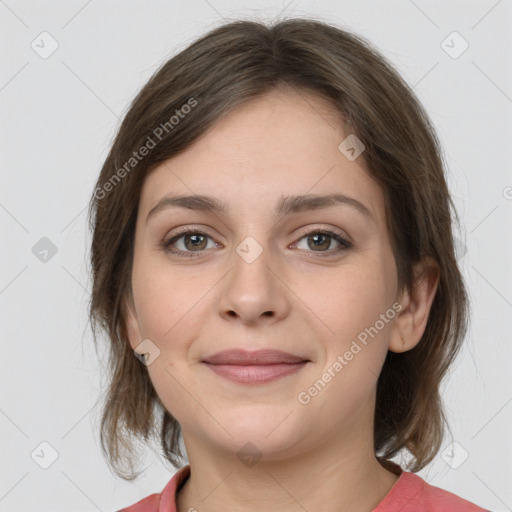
59 115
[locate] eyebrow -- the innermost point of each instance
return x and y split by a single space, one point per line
285 206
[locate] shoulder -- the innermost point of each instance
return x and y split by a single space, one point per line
440 499
163 501
148 504
413 494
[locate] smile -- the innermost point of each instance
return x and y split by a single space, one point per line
255 374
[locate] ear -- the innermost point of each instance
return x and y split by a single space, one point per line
410 324
131 321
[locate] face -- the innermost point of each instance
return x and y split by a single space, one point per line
316 281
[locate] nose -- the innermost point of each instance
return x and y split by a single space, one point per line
253 291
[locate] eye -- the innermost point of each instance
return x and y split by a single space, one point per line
320 241
194 241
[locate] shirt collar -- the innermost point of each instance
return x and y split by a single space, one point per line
168 496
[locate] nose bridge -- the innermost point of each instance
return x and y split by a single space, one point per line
251 259
252 288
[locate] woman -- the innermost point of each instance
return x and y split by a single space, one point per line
272 240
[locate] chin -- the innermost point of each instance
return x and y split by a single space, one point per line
259 435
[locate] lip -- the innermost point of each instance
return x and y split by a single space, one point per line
258 357
255 367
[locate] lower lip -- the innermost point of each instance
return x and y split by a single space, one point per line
254 374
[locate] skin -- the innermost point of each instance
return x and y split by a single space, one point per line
278 144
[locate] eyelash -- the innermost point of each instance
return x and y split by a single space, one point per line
166 243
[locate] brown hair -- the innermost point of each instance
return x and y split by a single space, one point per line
231 64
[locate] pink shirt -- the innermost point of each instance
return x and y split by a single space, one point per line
410 493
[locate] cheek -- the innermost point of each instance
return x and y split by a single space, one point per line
167 301
170 315
356 313
351 297
356 334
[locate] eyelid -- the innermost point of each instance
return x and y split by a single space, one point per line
185 230
335 233
325 228
305 230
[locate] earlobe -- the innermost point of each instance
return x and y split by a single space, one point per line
410 324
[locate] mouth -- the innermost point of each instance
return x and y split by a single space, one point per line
254 367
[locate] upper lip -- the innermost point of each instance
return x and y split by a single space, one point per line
258 357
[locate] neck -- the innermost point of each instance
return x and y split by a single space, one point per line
325 478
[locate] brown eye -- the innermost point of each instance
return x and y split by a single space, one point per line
188 242
194 241
321 241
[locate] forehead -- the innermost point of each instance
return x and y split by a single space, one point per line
284 142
